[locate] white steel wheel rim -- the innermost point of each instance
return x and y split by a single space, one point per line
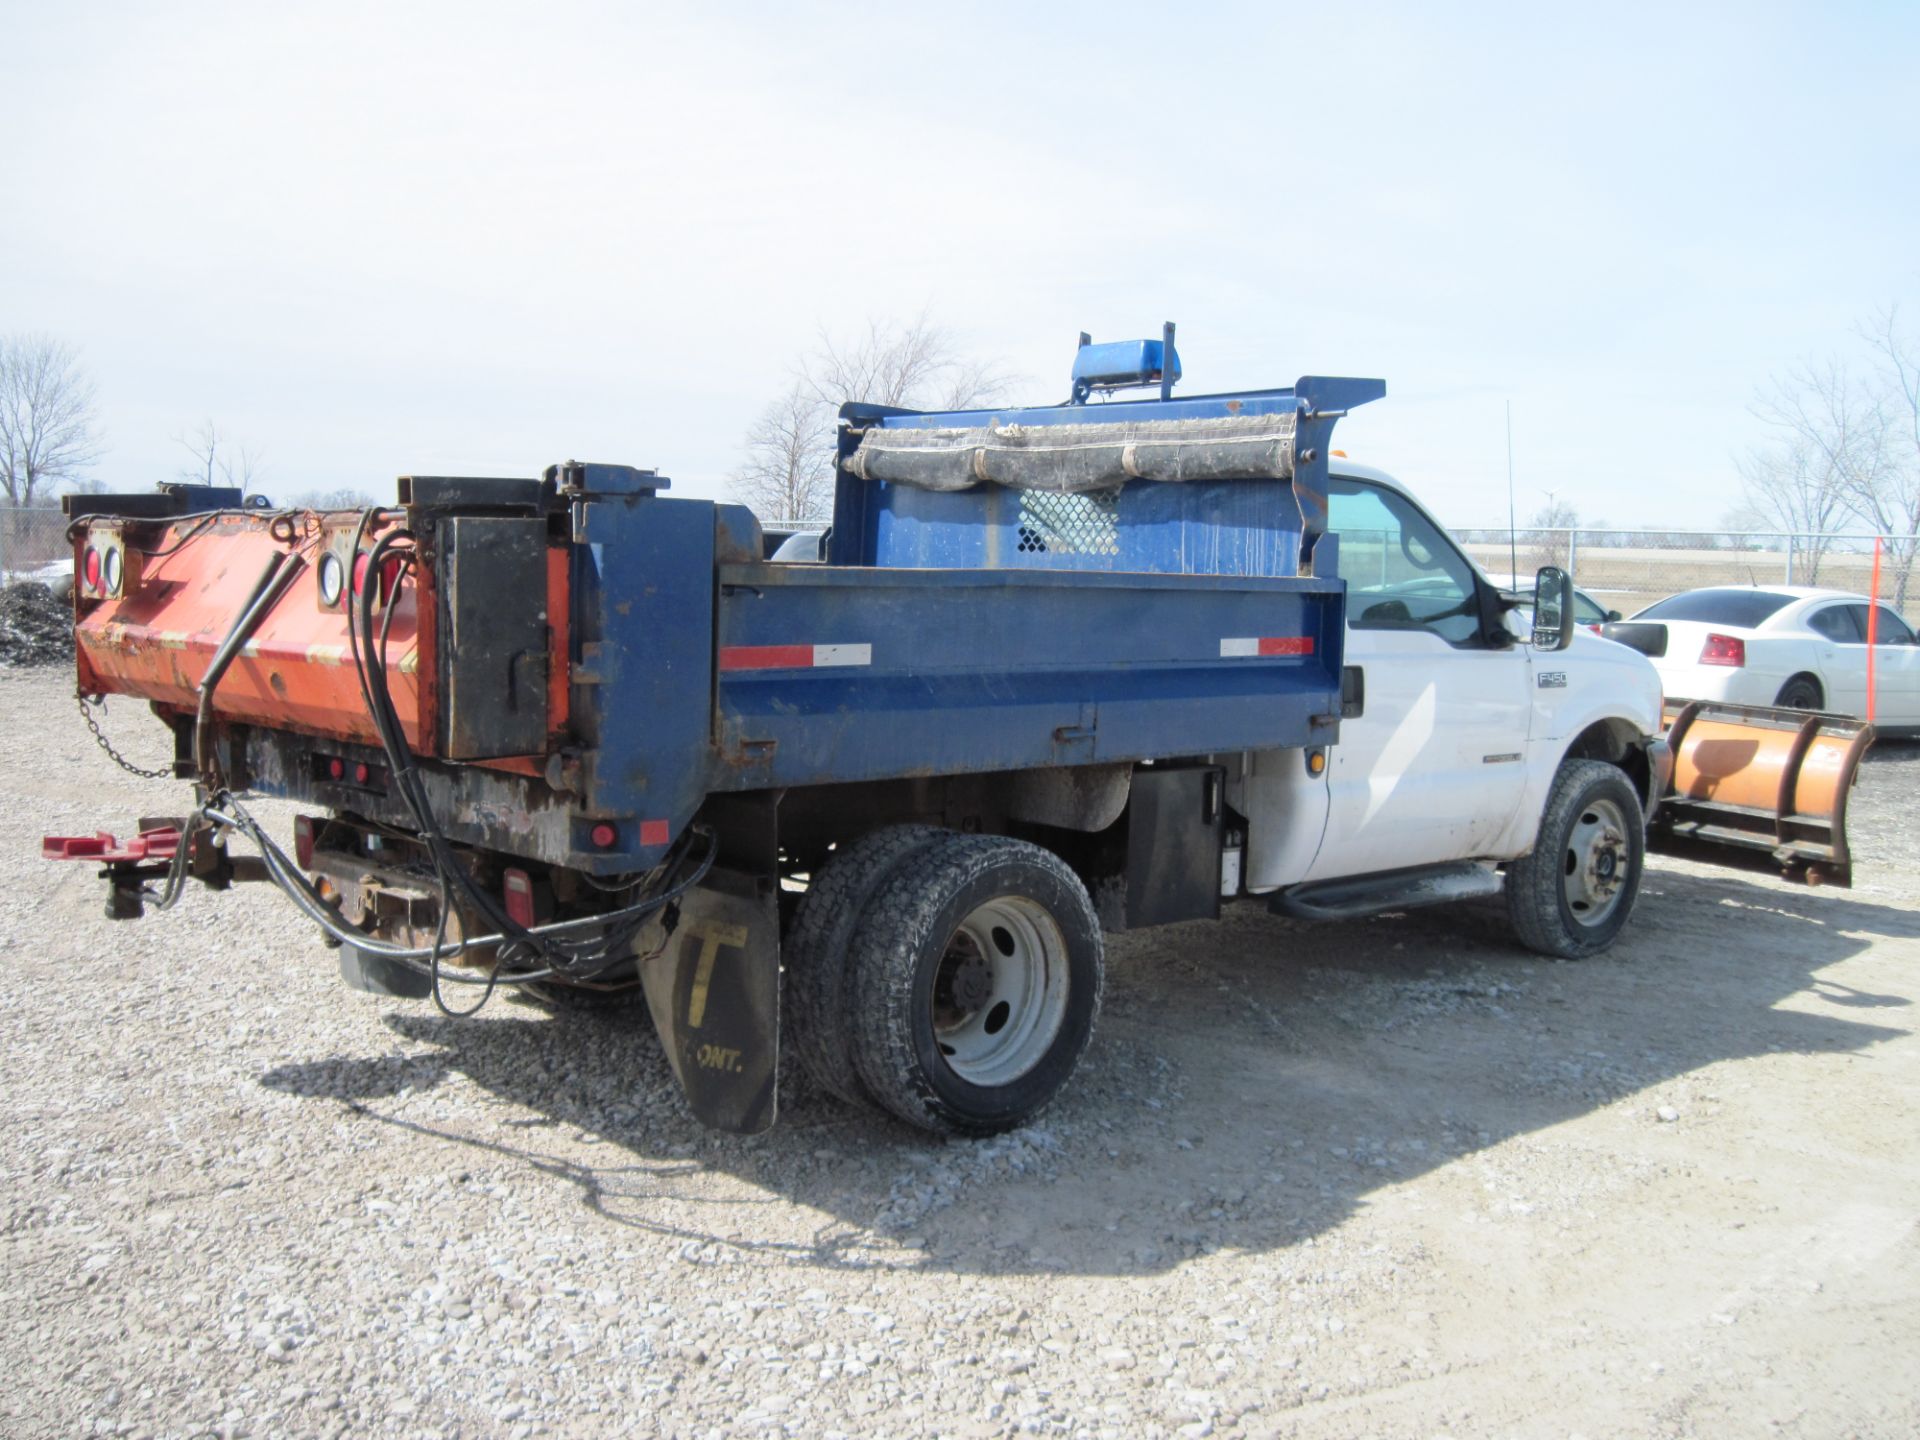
1594 867
1000 993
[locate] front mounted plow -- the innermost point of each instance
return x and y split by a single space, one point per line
1762 789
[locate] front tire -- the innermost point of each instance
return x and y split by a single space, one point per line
976 977
1573 894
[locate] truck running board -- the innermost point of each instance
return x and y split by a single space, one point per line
1762 789
1363 895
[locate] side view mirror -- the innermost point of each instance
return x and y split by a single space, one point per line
1552 608
1613 615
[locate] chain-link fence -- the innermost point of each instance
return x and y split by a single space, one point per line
33 543
1627 570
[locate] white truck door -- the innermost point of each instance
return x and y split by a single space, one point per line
1434 767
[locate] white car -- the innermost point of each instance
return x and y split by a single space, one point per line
1785 645
1587 611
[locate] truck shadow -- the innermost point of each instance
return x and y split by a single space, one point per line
1254 1083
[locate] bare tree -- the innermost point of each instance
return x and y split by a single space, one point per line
917 364
46 416
1846 444
218 460
344 497
786 471
1547 542
1891 504
1792 484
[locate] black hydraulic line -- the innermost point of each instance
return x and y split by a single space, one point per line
280 572
286 875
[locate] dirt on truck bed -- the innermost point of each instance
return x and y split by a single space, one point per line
1393 1178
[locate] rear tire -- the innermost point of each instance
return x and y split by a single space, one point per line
816 1029
1802 692
977 972
1573 894
575 999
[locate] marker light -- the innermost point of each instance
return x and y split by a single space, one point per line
90 567
111 570
333 577
519 897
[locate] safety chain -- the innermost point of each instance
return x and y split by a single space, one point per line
86 713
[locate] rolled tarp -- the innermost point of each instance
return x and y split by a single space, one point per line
1078 457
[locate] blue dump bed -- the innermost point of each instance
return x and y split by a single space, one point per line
1004 590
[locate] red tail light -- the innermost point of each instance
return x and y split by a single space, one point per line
1723 650
90 567
519 897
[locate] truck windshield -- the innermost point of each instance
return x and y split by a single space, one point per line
1743 608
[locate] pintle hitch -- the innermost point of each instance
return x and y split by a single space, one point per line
153 854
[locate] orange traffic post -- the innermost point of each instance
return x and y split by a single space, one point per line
1873 626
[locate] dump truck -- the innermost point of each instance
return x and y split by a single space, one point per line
1056 672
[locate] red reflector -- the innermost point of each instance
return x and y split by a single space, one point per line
337 767
1724 650
654 832
91 568
766 657
519 895
1286 644
604 835
361 772
303 841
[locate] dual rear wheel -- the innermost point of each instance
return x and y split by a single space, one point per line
952 980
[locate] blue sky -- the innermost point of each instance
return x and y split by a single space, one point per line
378 239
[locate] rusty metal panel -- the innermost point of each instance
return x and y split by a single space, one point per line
493 660
186 582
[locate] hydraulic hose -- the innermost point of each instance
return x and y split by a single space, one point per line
287 876
280 572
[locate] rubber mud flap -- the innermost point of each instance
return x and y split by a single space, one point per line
377 975
715 999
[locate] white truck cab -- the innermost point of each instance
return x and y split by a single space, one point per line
1459 733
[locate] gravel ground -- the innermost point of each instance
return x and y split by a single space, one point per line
35 628
1385 1178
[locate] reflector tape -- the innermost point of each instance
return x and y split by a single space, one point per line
793 657
1264 645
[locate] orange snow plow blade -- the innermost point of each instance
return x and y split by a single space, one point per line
1762 788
